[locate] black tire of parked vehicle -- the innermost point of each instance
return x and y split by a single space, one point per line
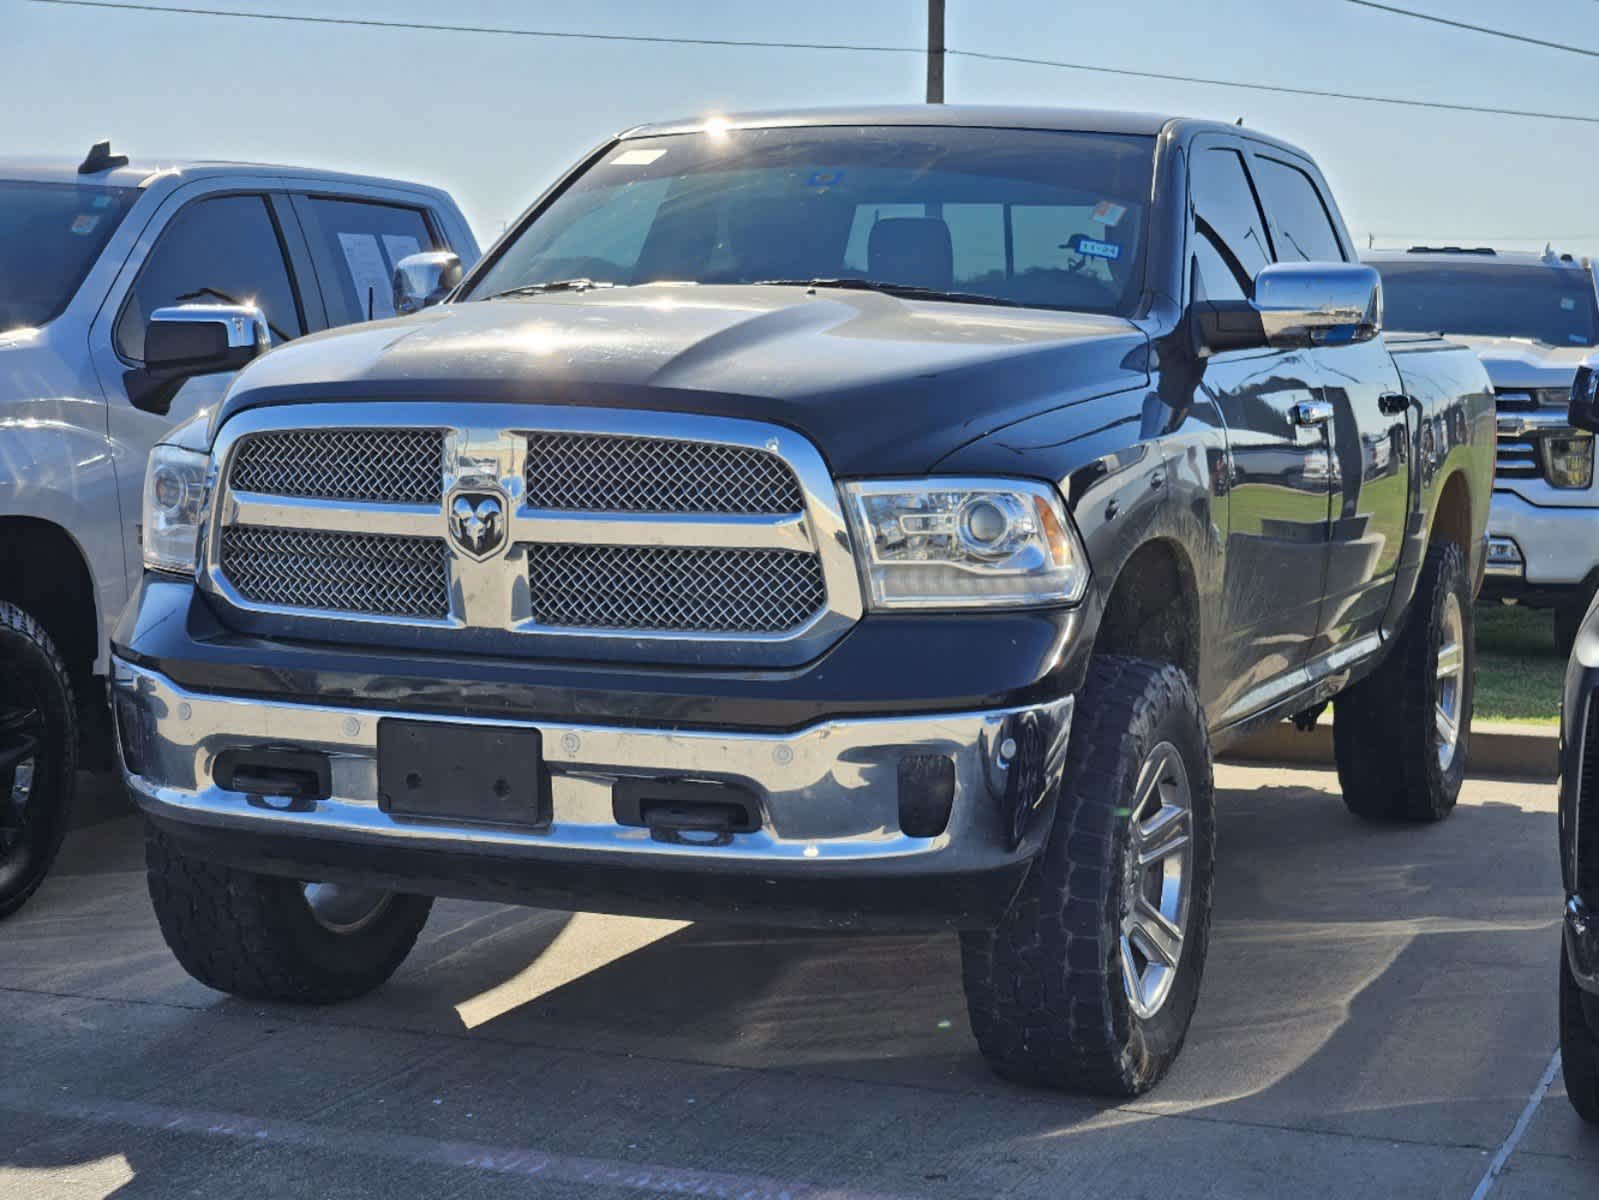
1044 990
1568 622
1385 728
1579 1043
36 700
254 935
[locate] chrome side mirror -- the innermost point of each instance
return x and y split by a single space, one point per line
424 279
194 339
1297 305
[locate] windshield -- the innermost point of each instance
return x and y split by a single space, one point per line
1554 305
50 234
1051 220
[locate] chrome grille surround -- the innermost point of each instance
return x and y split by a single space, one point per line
672 587
393 466
340 572
607 473
790 615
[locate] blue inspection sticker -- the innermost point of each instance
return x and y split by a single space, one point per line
825 179
1089 248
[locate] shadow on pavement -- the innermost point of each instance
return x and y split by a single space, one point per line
1386 984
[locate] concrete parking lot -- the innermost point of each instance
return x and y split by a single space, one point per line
1378 1019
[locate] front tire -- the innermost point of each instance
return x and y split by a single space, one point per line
38 754
1401 735
1090 980
267 938
1579 1043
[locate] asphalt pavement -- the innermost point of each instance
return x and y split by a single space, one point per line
1378 1019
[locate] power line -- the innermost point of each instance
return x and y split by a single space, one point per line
370 22
1270 87
1499 33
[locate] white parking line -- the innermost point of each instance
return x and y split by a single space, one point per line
501 1160
1518 1130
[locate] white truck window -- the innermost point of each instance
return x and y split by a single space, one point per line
220 250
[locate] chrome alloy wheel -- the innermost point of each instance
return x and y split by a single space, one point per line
340 908
1157 873
1451 679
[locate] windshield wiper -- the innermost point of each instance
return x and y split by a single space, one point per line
555 285
907 291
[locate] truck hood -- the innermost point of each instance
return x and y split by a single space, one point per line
878 383
1521 363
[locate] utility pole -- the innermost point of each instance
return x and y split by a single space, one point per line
935 51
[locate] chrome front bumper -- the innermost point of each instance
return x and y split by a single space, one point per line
1541 546
828 793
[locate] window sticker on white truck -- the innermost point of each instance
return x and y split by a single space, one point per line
374 288
400 245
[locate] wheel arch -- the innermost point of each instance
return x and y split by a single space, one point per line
51 580
1151 610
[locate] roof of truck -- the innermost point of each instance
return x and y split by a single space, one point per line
1083 120
140 172
1477 255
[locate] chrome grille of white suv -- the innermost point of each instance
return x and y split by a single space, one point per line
504 528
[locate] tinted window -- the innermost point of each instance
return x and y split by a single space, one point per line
224 250
1301 228
1554 305
1053 220
50 234
358 245
1230 242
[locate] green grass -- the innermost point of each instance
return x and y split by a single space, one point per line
1519 673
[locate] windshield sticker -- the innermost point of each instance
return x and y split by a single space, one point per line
1089 248
102 201
84 224
1109 214
1567 303
636 158
825 179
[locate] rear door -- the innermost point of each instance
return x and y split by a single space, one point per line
1278 471
1367 433
356 241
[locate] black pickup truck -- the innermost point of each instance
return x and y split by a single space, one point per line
867 519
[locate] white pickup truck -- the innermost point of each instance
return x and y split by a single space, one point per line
91 253
1533 320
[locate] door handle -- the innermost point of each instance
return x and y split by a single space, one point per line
1312 412
1392 404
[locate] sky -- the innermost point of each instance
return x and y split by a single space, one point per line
495 118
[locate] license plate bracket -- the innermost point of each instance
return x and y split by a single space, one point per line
441 770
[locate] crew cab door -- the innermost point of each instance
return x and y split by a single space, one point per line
1278 473
357 239
1367 432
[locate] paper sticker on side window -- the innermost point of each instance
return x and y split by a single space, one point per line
1089 248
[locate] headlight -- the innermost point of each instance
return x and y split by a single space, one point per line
1568 460
174 497
964 543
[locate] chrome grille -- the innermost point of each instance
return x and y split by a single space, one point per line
608 473
338 572
674 589
1517 457
396 466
